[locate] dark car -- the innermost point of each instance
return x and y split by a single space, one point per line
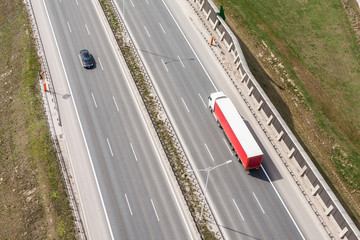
86 59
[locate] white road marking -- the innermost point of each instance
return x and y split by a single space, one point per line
60 1
185 104
117 108
133 151
82 130
77 2
87 29
164 65
228 146
209 152
102 68
93 97
191 48
109 147
238 210
202 100
181 61
132 3
147 2
69 26
128 204
147 31
162 28
80 60
259 203
152 142
287 210
155 210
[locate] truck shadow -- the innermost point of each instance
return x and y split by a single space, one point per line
267 162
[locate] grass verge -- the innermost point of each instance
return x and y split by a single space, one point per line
306 56
33 200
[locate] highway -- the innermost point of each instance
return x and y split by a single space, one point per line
124 188
246 205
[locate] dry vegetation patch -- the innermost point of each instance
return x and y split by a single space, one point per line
306 56
33 201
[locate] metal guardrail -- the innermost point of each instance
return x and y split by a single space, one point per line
347 228
50 121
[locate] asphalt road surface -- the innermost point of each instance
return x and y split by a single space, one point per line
124 189
246 205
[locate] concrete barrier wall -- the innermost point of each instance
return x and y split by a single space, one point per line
347 228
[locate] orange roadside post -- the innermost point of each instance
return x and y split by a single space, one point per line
44 82
212 40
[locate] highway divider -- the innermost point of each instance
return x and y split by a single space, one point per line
174 151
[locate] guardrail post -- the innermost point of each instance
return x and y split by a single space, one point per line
202 6
208 15
303 171
315 190
270 119
343 232
261 103
243 78
230 46
215 24
280 136
328 210
251 91
291 153
222 36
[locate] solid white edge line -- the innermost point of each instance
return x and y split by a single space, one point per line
77 2
81 128
164 65
202 100
147 2
287 210
133 151
102 68
151 138
217 90
69 26
207 74
209 152
117 108
181 61
76 181
259 203
132 3
93 97
162 28
187 109
128 204
227 145
87 29
157 216
147 31
238 210
109 147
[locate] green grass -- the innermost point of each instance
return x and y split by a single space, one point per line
33 199
316 43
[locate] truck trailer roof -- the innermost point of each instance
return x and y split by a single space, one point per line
239 127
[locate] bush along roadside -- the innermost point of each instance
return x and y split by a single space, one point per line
162 126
